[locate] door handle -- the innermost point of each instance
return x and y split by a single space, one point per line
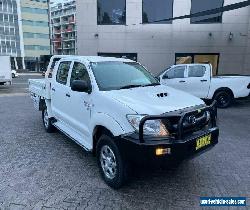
53 89
67 95
203 80
182 81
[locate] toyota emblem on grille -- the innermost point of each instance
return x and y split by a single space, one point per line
192 119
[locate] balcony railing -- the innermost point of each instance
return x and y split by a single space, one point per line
57 31
57 40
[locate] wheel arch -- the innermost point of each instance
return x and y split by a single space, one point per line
226 89
104 124
97 132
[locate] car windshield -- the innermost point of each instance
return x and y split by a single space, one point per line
121 75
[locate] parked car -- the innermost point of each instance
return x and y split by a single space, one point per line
5 70
114 108
197 79
14 74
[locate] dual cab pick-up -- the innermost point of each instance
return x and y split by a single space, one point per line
117 110
197 80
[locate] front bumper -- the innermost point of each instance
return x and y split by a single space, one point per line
138 148
182 149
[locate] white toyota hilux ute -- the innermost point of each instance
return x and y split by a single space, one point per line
117 110
197 80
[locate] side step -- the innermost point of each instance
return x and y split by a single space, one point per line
71 133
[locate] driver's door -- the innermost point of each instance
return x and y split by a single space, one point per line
80 102
175 77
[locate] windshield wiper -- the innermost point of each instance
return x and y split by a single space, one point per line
152 84
130 86
134 86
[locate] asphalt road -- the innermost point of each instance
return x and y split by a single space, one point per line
48 171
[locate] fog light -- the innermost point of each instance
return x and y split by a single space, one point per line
162 151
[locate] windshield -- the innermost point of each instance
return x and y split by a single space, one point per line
121 75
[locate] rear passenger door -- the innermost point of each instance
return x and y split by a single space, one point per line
175 77
198 80
59 92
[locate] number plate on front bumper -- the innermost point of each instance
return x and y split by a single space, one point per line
203 141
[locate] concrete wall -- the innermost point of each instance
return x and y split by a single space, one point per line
247 53
156 44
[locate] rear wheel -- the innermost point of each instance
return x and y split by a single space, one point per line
112 165
224 99
13 75
47 122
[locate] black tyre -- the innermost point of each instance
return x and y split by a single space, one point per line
224 99
13 75
47 122
112 166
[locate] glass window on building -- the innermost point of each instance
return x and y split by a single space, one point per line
111 12
34 10
14 6
154 10
203 58
35 35
204 5
35 23
6 19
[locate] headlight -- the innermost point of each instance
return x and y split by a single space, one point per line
151 127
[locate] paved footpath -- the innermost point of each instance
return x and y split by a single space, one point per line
48 171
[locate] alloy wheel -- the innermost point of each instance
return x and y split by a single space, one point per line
108 162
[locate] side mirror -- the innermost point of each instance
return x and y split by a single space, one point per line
80 86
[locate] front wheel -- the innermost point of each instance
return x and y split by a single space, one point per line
224 99
47 122
111 164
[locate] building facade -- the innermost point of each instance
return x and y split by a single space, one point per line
127 28
63 28
35 29
24 32
10 33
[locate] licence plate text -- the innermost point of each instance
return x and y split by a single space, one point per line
203 141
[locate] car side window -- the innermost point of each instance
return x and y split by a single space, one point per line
196 71
176 72
63 71
79 72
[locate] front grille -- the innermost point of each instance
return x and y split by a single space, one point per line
191 123
182 123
